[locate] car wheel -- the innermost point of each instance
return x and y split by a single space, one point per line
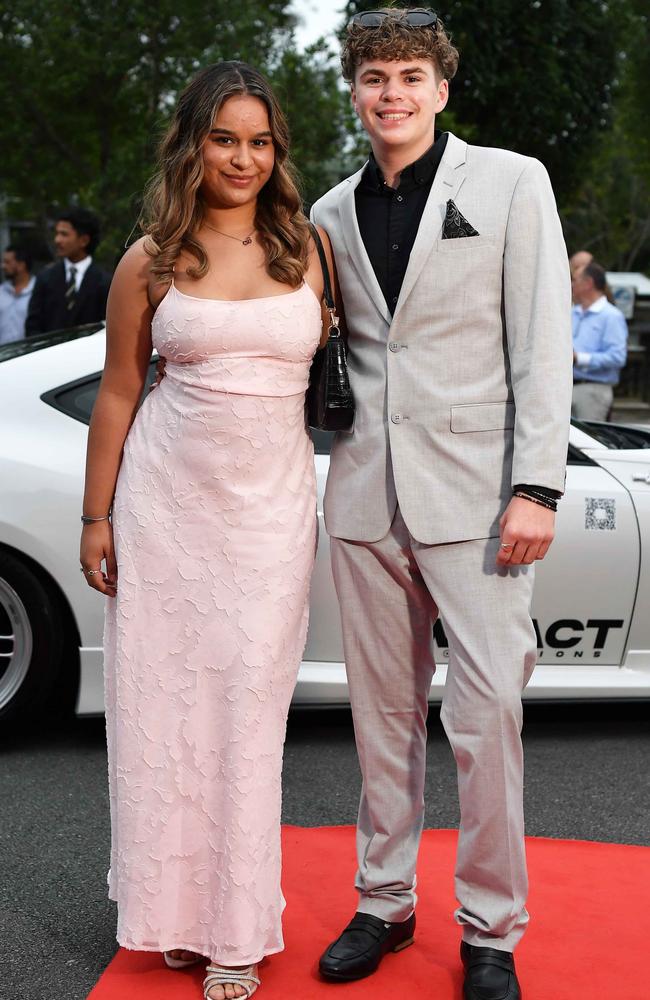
31 641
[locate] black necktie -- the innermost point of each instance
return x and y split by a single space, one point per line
71 288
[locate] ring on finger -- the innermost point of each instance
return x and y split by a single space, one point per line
507 545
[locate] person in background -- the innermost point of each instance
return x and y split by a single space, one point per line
74 290
580 259
599 344
15 293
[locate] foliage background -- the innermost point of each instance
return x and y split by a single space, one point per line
87 89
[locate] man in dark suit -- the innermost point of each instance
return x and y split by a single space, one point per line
74 290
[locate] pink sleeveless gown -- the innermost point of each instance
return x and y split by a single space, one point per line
215 532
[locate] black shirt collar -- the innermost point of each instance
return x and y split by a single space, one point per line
415 174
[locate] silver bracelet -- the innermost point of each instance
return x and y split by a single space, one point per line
91 520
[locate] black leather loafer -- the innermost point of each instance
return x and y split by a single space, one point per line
362 945
489 974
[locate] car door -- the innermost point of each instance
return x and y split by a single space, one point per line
586 586
584 593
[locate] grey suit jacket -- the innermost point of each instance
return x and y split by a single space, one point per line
466 389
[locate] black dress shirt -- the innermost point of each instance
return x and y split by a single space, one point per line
389 219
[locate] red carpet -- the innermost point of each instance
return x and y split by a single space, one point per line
589 906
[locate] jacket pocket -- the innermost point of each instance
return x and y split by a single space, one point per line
461 243
482 417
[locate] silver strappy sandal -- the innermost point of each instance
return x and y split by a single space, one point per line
217 975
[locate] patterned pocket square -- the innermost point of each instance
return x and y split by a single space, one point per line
455 224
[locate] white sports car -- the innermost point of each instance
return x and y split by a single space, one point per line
592 597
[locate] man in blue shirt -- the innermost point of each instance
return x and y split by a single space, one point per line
15 293
599 344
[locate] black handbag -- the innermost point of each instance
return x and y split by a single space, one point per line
330 404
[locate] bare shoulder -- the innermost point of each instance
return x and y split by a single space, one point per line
316 268
327 244
325 238
135 265
130 287
134 274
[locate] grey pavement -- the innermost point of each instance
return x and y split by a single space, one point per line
587 778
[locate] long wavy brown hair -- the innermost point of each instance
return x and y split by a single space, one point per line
173 206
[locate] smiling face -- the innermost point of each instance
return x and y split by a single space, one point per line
238 154
397 103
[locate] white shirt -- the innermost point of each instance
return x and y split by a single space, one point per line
595 307
81 268
583 358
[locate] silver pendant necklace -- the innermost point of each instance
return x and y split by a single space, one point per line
245 242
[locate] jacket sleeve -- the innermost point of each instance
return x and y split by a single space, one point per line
537 313
36 310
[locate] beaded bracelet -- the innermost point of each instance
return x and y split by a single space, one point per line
540 496
549 504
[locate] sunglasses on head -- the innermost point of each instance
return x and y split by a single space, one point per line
419 17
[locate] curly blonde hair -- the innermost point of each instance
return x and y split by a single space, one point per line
394 40
173 207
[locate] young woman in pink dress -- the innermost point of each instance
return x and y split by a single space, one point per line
207 555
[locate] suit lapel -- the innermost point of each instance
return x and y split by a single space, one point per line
447 183
355 246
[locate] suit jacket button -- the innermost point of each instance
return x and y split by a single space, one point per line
396 418
394 347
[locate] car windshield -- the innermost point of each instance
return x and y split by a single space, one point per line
17 348
614 436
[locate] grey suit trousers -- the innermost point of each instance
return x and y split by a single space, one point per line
390 592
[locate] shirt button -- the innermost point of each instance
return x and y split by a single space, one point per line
395 246
394 347
396 418
394 299
399 197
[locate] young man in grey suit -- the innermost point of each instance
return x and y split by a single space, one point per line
455 287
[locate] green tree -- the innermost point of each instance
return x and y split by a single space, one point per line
88 88
609 213
635 86
308 87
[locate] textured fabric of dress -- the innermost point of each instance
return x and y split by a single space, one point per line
214 524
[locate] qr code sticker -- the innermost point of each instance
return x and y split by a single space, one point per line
600 514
